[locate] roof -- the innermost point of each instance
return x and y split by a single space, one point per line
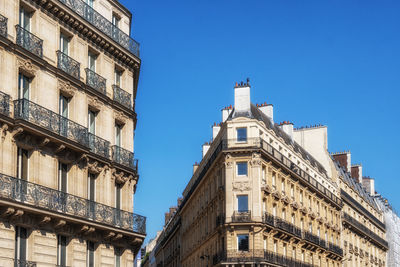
255 113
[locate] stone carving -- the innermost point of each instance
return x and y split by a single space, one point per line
3 131
228 162
241 186
65 88
120 117
26 66
255 159
95 103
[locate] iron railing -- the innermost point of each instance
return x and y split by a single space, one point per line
241 216
3 25
4 104
68 65
104 25
335 249
288 227
51 121
29 41
124 157
24 263
364 230
99 146
220 220
257 256
96 81
38 196
121 96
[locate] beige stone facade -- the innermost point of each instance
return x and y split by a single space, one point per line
264 194
69 74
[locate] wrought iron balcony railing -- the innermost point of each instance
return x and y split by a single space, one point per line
122 97
335 249
99 146
38 196
24 263
311 238
3 25
68 65
51 121
29 41
364 230
288 227
96 81
241 216
4 104
124 157
257 256
104 25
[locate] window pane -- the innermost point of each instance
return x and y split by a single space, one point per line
243 242
242 203
242 168
242 134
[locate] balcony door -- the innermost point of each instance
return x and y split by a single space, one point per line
64 113
23 86
21 235
22 164
25 19
64 44
117 75
118 133
63 177
115 29
61 250
92 61
118 202
92 192
92 122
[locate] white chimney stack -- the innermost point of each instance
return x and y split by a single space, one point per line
369 185
215 130
226 112
206 147
242 97
287 127
268 110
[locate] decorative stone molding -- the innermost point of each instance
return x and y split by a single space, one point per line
93 167
65 88
286 199
228 162
295 205
26 66
241 186
94 103
3 131
120 117
276 194
255 160
267 189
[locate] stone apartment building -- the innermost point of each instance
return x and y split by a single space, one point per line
69 73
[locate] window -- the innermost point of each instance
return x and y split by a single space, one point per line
263 173
25 18
274 180
118 76
301 196
284 250
118 196
61 250
310 227
283 185
23 86
301 224
92 61
242 203
62 177
283 214
294 253
275 246
265 243
274 210
293 219
92 191
318 232
90 254
21 235
292 191
92 121
117 253
241 134
22 164
243 242
89 2
63 106
303 256
241 168
118 132
64 44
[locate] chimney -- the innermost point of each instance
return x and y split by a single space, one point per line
369 185
226 111
180 199
356 172
344 159
287 127
206 146
267 109
195 166
215 130
242 98
167 217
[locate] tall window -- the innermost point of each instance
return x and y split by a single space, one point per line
64 44
22 164
21 235
283 185
92 122
274 180
283 214
89 2
310 227
90 254
301 224
61 250
241 168
92 61
63 106
115 20
242 202
118 133
294 252
117 253
274 210
92 191
118 76
62 177
301 196
293 219
25 18
241 134
284 250
117 196
23 86
292 191
243 242
275 246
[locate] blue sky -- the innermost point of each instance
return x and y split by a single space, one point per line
335 63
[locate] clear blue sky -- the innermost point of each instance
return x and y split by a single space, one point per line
331 62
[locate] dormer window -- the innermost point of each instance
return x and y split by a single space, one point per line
241 134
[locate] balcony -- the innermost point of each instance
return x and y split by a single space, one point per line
257 256
99 146
41 197
24 263
51 121
288 227
122 97
124 157
3 26
363 230
104 25
310 237
4 104
68 65
335 249
29 41
241 216
96 81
